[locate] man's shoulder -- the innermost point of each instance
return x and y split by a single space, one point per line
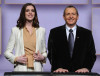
83 29
58 28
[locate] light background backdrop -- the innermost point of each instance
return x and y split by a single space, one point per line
50 16
47 1
0 31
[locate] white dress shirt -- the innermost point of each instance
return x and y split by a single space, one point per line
74 31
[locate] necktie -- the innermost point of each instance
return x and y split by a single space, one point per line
71 42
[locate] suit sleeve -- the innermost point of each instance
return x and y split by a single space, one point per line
9 50
91 55
52 52
50 43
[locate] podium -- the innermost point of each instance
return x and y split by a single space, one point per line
48 74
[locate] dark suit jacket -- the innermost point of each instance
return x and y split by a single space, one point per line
83 53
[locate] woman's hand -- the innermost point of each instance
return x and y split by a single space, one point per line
22 59
38 56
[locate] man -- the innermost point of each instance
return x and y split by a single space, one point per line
74 50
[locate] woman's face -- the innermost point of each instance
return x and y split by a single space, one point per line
29 13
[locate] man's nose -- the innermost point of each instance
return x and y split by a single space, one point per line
71 16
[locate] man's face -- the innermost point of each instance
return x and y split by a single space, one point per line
70 16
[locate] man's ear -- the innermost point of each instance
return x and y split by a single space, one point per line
77 17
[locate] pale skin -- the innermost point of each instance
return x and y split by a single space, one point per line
60 70
71 18
29 15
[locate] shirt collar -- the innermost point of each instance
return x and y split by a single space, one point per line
68 28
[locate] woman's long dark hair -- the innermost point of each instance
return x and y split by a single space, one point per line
22 20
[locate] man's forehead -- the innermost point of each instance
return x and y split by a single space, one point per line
70 9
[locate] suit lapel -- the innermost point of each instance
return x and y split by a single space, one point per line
37 38
77 41
64 35
64 41
21 41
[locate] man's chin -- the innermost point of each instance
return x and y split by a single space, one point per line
71 25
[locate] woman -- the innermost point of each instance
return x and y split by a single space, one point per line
28 40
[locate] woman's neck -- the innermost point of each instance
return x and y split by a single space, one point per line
29 23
